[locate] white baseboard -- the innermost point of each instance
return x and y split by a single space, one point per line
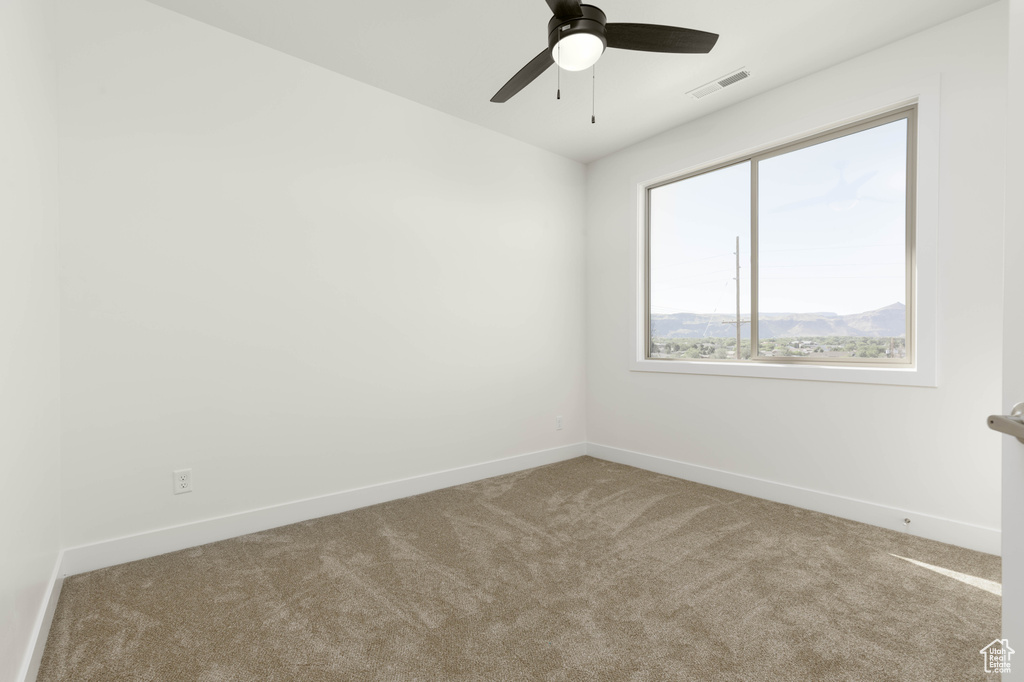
152 543
84 558
949 531
34 652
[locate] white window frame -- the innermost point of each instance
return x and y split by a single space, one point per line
923 369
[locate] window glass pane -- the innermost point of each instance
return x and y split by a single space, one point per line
832 270
694 226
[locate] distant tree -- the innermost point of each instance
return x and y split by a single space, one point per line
867 351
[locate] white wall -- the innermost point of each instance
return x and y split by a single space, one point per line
920 449
291 282
29 429
1013 332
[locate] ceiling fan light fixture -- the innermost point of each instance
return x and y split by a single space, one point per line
578 35
578 51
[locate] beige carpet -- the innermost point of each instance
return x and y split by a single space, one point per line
582 570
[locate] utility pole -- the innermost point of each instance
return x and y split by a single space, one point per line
739 322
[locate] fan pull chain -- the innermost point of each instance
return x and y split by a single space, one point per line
558 46
593 94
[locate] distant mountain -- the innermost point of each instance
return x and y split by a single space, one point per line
884 322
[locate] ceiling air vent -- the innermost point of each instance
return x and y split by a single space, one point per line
719 83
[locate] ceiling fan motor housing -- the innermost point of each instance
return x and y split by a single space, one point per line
579 34
593 22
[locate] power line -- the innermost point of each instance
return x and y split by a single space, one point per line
832 265
697 260
676 278
719 302
837 277
825 248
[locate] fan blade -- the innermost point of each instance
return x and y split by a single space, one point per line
654 38
526 75
565 9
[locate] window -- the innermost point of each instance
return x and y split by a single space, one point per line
801 254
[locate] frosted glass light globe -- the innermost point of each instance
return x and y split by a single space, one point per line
577 51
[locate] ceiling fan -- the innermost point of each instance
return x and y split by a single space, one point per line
578 35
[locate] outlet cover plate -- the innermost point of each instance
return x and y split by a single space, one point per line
182 481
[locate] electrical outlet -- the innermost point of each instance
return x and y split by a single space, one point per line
182 481
558 423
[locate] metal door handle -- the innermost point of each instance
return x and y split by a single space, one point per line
1011 424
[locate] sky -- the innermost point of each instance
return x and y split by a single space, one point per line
831 231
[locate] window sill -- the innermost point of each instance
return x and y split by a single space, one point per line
874 374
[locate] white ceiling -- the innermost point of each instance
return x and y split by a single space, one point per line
453 55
